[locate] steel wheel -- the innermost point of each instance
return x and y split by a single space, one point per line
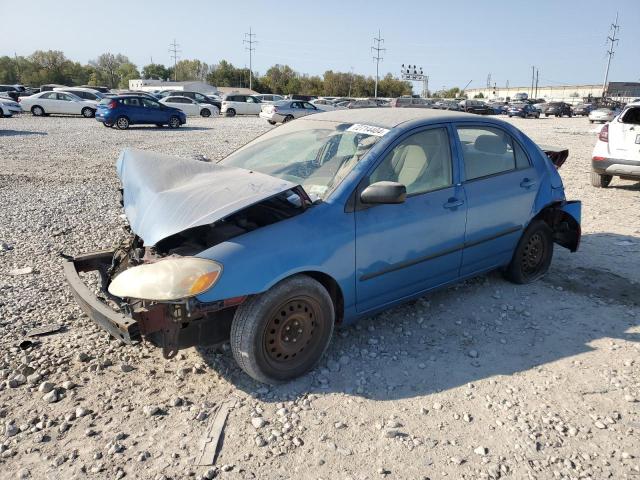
533 255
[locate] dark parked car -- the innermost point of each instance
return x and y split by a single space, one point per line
558 109
99 89
197 96
126 110
523 110
305 98
475 106
9 91
583 109
408 102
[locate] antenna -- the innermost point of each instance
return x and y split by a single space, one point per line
248 39
174 50
376 48
612 39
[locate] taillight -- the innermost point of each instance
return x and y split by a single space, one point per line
604 133
599 159
275 109
112 104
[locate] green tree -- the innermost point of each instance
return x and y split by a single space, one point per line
479 95
107 66
8 70
192 70
155 71
224 74
127 71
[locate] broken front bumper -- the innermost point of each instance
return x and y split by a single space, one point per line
117 324
167 325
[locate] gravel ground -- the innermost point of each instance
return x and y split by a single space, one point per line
482 380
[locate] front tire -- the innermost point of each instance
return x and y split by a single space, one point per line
231 112
600 181
205 112
37 111
271 122
288 118
174 122
533 255
88 112
281 334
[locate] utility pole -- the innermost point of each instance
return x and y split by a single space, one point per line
248 39
350 82
533 75
489 80
376 48
15 56
612 39
174 51
537 74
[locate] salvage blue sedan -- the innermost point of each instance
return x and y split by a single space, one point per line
319 222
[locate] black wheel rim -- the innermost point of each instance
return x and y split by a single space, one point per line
294 333
533 255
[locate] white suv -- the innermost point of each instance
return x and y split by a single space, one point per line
233 105
617 151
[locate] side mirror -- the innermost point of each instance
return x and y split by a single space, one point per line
384 193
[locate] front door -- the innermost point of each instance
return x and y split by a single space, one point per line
501 187
407 248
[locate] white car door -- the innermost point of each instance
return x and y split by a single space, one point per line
68 104
252 106
624 135
48 101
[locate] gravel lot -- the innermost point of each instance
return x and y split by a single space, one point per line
482 380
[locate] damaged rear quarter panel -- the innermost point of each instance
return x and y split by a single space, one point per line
257 260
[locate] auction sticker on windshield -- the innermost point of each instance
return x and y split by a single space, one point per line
367 129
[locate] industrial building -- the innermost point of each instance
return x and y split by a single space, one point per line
151 85
622 91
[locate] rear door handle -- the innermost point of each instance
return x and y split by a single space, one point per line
527 183
453 203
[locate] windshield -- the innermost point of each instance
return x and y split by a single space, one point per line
314 154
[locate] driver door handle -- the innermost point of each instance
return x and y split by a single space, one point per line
453 203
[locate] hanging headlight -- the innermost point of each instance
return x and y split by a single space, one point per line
169 279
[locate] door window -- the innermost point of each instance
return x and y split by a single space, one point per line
308 106
131 102
49 96
632 116
62 96
422 162
489 151
150 103
251 100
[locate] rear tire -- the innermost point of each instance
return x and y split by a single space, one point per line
533 254
231 112
37 111
282 333
600 181
88 112
122 123
271 122
108 125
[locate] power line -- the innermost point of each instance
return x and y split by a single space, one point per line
612 39
248 39
376 48
174 50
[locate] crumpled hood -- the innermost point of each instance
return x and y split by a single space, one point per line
165 195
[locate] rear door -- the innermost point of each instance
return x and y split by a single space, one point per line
500 186
134 110
624 135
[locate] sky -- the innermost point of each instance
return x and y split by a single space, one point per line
454 42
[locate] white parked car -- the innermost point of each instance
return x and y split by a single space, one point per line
190 106
45 103
9 107
82 92
605 114
617 151
268 97
236 104
326 105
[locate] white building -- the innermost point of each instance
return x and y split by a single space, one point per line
151 85
623 91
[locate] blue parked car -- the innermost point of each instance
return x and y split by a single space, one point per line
124 110
322 221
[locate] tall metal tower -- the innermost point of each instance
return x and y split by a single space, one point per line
610 51
174 50
377 49
248 39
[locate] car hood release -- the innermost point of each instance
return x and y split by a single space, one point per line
164 195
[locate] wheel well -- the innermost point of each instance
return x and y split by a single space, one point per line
335 292
566 230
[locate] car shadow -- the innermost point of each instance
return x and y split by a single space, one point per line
17 133
476 329
634 187
153 128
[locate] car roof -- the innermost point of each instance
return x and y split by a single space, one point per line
389 117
